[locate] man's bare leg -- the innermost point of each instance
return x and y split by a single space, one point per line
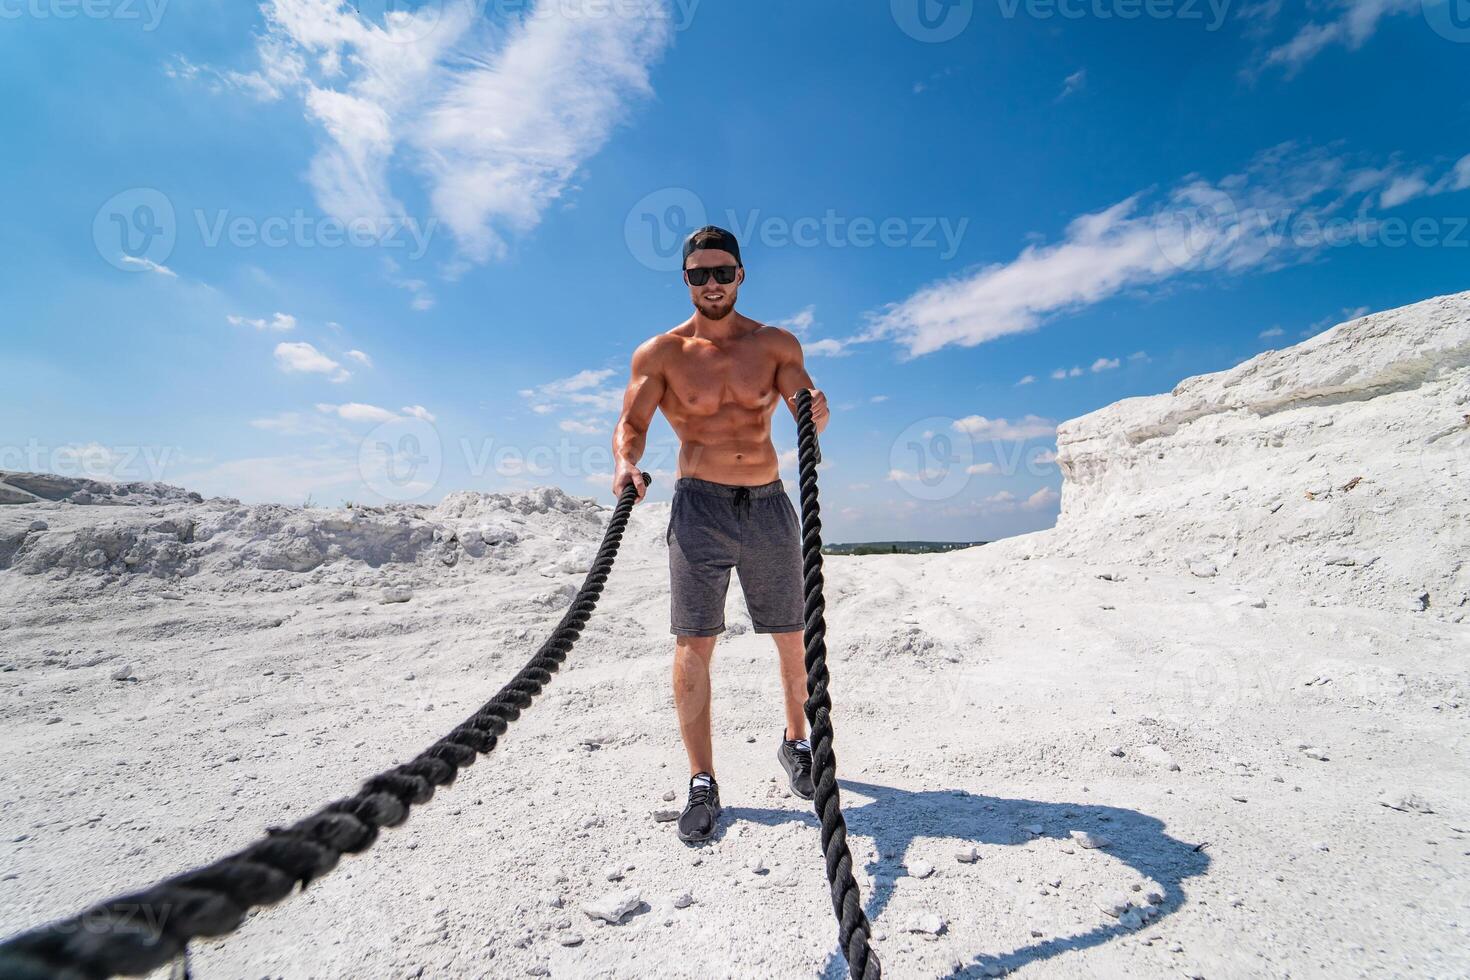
692 655
792 650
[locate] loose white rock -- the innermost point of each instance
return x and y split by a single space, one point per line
683 900
392 595
1090 840
1114 904
611 908
921 869
928 923
967 855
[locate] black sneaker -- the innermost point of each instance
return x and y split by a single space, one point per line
702 812
796 758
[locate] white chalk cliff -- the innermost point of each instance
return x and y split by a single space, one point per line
1335 469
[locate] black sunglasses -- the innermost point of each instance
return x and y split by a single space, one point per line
724 274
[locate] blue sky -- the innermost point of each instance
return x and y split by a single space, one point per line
303 249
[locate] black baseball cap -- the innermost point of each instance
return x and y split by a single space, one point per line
712 237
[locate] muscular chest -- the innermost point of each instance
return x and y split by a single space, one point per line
707 379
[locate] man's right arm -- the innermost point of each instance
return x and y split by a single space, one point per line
645 390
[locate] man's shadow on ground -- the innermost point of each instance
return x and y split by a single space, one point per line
893 819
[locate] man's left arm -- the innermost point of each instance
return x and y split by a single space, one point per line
791 377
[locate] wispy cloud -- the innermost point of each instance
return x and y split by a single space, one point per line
494 116
1352 24
1074 83
1254 220
586 393
359 412
303 358
1105 364
1029 379
360 358
149 265
280 323
1005 430
1271 333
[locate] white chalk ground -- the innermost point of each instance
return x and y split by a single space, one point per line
1003 698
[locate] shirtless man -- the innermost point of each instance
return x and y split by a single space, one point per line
718 378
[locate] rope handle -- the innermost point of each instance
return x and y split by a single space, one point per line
853 929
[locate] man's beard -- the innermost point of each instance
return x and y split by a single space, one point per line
716 312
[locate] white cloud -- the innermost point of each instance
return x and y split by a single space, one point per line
1029 427
878 399
1460 176
1075 83
1105 364
1273 332
1355 22
303 358
150 265
1042 499
826 348
585 390
1139 356
584 428
1045 458
360 358
1231 226
280 323
494 115
1062 374
357 412
800 323
982 469
1029 379
1403 189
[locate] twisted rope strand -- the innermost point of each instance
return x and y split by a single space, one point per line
852 923
134 934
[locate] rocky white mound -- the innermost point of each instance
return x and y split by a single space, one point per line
1337 471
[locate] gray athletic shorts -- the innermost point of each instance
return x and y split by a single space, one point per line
754 530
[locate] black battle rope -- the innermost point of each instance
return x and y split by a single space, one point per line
136 933
852 922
